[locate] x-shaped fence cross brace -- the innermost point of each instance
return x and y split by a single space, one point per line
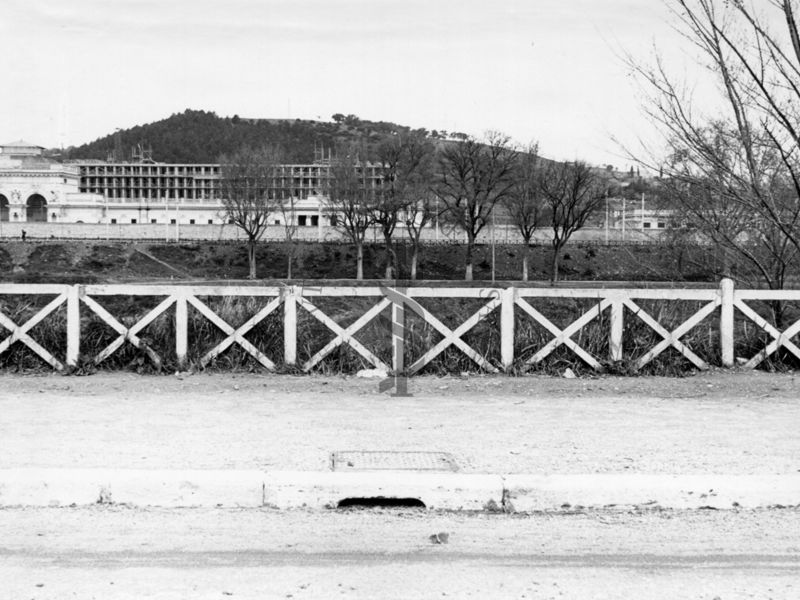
236 335
452 337
128 334
19 333
564 336
672 338
344 336
782 338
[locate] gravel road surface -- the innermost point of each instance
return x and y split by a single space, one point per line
117 552
734 423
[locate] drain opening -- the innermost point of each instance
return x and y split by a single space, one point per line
381 502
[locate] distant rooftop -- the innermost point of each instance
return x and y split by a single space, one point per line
21 148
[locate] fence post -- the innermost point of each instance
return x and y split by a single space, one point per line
615 334
289 325
73 325
181 329
507 327
726 321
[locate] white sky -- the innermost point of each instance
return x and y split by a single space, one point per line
535 69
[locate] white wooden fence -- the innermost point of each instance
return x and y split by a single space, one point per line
508 301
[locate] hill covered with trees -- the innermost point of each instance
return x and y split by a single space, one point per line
197 136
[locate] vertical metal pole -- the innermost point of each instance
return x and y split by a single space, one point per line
437 219
493 252
726 321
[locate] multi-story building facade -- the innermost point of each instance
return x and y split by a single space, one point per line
37 189
155 192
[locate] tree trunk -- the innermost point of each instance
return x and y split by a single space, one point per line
777 307
360 261
390 257
289 247
468 260
525 266
251 258
414 253
554 265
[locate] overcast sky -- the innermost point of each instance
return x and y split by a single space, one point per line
543 70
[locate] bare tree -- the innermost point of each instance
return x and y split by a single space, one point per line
474 175
524 202
418 215
747 154
572 191
248 189
404 167
753 248
351 197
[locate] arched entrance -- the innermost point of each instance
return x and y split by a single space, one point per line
3 208
36 209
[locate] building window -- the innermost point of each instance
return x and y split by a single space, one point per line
191 221
661 224
211 221
277 222
301 220
314 220
153 221
647 225
172 221
113 221
133 221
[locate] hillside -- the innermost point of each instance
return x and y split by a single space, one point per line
196 136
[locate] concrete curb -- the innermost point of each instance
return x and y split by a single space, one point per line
138 487
529 493
444 491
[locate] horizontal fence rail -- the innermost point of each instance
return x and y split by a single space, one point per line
615 307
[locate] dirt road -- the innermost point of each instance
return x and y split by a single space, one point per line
736 423
116 552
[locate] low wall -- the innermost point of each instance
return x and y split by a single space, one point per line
171 233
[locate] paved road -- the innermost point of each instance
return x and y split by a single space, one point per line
117 552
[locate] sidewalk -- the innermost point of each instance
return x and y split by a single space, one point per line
731 424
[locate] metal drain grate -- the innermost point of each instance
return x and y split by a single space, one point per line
369 460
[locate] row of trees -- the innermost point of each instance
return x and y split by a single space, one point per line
407 180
